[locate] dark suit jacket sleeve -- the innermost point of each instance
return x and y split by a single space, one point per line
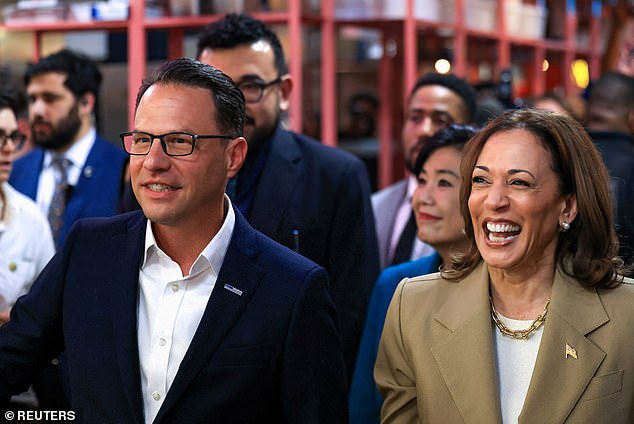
354 258
313 379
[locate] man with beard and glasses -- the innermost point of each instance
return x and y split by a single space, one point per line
312 198
435 102
72 173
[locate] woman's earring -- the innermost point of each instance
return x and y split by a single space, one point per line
564 226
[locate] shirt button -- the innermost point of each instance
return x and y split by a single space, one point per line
175 288
162 341
156 396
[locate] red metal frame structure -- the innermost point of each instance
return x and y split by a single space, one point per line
328 74
505 43
137 50
401 69
137 53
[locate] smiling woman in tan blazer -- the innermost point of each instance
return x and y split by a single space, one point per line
534 323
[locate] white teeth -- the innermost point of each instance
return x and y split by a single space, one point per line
499 239
502 228
159 187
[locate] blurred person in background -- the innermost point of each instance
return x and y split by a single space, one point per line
609 120
359 136
489 104
26 243
312 198
557 102
435 102
536 311
9 86
436 205
619 45
73 172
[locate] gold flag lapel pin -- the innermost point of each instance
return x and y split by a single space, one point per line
570 351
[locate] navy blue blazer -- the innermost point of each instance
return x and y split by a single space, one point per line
365 399
270 355
316 199
98 190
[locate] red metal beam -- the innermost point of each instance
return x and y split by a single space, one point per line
137 54
328 74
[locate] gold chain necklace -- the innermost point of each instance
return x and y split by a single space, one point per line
518 334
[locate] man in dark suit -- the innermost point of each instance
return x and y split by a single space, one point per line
609 120
435 102
62 91
182 313
312 198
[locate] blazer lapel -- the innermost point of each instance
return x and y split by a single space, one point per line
124 308
466 357
559 379
223 308
277 182
82 193
25 176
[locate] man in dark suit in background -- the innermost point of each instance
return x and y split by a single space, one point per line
73 173
435 102
312 198
609 120
188 315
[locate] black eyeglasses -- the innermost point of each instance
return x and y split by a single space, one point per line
16 137
174 144
254 90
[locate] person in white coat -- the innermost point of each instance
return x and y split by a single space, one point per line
26 243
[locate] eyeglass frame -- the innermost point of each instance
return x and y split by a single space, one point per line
261 85
160 137
4 138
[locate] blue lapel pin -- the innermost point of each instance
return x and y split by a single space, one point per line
233 289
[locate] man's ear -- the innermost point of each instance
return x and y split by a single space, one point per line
86 103
236 153
286 86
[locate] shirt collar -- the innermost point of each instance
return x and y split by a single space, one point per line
412 183
213 255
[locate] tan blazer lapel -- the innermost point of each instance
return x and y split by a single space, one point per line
465 357
559 379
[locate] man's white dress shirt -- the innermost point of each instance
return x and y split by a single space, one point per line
170 308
